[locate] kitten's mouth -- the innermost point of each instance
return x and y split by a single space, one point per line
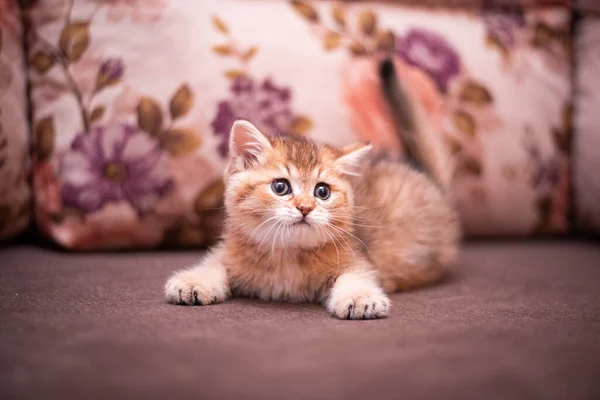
302 222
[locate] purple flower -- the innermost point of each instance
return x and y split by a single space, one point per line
264 104
113 163
545 173
110 72
502 26
432 53
545 170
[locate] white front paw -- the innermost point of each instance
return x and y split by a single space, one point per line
368 304
196 287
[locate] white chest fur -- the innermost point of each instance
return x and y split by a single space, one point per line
285 280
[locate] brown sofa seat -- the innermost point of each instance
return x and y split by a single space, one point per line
517 321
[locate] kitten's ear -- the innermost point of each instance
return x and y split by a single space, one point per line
352 155
247 143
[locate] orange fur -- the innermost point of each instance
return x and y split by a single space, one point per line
385 227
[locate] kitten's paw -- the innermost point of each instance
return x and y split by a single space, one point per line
369 304
194 287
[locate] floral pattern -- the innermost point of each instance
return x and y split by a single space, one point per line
114 163
459 106
9 17
431 53
265 104
516 34
370 116
462 107
111 71
135 10
502 28
125 159
14 161
586 120
549 178
118 162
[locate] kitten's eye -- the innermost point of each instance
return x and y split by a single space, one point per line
322 191
281 187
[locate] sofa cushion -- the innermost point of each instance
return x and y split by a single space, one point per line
15 195
132 106
589 8
517 321
586 152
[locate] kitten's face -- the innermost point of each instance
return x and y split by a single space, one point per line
288 192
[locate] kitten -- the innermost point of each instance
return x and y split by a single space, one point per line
313 222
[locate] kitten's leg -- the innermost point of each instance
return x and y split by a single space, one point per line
356 295
203 284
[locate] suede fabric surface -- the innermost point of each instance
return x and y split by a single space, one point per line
517 321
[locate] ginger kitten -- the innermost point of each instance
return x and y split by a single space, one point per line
313 222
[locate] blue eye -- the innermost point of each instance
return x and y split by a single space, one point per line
322 191
281 187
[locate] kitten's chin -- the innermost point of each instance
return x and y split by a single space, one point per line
296 235
305 235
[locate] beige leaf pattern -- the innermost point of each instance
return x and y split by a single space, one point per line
97 113
223 50
74 40
181 102
301 125
180 142
210 199
464 122
42 61
339 15
220 25
45 135
358 49
233 74
475 93
250 53
149 115
306 10
385 41
367 22
332 40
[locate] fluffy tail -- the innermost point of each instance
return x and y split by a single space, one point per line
423 146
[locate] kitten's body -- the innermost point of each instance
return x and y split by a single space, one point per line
386 226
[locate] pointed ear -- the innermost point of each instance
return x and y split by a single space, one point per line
247 143
352 155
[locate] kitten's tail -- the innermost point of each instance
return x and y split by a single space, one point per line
423 147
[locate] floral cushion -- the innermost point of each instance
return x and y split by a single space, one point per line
589 8
586 152
133 104
15 195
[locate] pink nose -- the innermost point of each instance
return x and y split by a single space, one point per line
304 210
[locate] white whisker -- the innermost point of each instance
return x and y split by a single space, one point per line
346 244
283 233
333 241
268 232
355 206
259 225
348 233
279 225
350 215
351 222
